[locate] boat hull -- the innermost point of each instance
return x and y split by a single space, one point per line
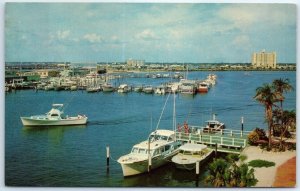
28 121
189 163
135 168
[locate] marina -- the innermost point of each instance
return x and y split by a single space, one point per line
120 121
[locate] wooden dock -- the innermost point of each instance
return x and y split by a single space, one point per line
226 140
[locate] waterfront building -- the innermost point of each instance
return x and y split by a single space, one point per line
264 60
135 63
47 73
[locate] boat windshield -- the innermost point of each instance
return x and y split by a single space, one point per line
140 151
159 137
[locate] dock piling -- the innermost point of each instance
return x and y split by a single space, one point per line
197 173
216 149
107 157
149 157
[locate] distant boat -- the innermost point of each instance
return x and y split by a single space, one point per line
92 89
138 89
148 89
213 125
187 87
189 154
53 118
160 89
202 87
123 88
107 88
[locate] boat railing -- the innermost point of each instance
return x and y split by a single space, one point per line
226 132
227 138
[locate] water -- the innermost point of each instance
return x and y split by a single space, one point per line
76 156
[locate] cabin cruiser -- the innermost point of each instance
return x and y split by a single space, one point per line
157 151
189 154
213 125
54 117
202 87
148 89
187 86
123 88
107 87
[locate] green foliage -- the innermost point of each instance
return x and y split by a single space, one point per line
253 137
229 174
261 133
261 163
257 135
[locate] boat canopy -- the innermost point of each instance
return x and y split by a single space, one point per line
57 105
192 147
213 122
163 132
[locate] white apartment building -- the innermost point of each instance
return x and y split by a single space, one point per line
264 59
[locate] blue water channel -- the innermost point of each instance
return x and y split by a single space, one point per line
76 155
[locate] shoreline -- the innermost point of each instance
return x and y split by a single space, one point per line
266 176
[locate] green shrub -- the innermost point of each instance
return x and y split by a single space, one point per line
261 163
253 137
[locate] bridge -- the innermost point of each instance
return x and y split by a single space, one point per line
225 140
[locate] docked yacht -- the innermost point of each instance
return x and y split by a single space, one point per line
156 151
202 87
148 89
213 125
189 154
123 88
187 86
54 117
107 87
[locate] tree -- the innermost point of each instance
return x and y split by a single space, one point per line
282 86
288 121
267 97
228 173
217 173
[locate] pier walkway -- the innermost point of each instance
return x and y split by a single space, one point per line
226 140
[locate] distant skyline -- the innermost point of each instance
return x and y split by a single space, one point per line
115 32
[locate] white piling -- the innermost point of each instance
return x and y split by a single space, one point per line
197 173
107 156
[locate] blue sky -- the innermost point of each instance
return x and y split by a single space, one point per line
95 32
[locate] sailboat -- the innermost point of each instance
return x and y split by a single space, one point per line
152 153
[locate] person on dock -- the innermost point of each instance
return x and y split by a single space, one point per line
186 127
178 127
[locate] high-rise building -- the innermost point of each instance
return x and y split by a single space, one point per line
135 63
264 59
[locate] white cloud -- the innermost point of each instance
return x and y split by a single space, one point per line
92 38
62 34
147 35
249 15
241 40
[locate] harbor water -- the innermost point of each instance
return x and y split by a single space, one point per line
76 155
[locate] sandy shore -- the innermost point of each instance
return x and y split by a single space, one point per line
266 176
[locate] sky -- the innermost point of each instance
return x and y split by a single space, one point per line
154 32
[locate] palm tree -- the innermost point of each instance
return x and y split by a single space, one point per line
282 86
267 97
217 173
288 120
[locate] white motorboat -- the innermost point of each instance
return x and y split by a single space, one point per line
160 89
123 88
54 117
157 151
202 87
107 87
213 125
148 89
187 87
189 154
